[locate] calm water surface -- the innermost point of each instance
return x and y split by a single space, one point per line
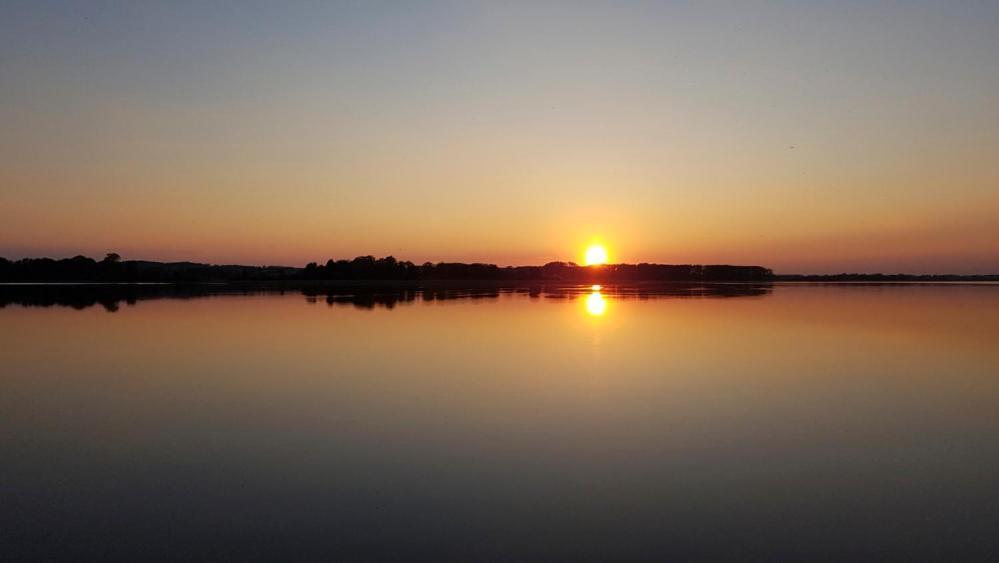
799 422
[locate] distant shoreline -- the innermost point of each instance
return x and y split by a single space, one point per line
368 285
388 271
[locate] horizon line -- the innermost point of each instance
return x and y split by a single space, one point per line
511 266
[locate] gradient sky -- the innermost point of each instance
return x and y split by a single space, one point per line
808 137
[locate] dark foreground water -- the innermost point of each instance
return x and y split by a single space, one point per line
784 423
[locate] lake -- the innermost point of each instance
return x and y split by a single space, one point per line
789 422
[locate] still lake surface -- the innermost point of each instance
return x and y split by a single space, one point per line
778 423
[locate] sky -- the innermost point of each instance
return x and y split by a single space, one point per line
802 136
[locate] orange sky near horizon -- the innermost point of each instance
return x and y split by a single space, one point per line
804 138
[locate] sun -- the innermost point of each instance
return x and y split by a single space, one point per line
595 255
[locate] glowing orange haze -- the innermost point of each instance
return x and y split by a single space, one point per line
797 137
961 240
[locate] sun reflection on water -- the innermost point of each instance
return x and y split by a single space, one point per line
596 305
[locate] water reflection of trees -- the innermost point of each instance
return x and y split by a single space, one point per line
112 296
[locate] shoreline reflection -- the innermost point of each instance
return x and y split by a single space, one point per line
112 296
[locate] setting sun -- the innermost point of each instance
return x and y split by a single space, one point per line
596 254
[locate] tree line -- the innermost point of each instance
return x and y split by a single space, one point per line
112 269
388 268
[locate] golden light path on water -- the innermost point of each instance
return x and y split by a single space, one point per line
596 305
